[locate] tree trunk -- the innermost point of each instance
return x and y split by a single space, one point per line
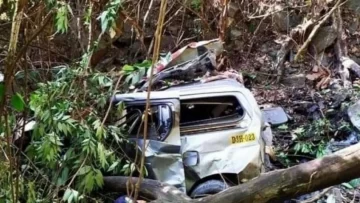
274 186
149 189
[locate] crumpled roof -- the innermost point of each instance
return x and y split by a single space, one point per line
217 84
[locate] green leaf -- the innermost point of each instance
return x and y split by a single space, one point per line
145 172
101 154
128 68
355 183
306 148
128 78
283 127
31 196
63 178
60 127
250 75
84 170
145 64
97 124
99 178
132 167
120 107
67 194
101 80
88 182
299 130
17 102
136 78
75 195
103 20
100 132
112 167
142 72
62 21
347 185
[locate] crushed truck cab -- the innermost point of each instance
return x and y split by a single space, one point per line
202 137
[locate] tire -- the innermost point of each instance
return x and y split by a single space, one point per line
209 187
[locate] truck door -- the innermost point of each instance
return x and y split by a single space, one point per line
220 134
162 155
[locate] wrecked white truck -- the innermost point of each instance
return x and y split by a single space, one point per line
205 133
203 136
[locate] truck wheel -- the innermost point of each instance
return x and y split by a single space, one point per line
209 187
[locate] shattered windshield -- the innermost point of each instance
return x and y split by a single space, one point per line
160 121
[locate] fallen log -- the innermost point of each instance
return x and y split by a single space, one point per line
280 185
274 186
149 189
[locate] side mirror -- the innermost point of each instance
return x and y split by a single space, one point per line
191 158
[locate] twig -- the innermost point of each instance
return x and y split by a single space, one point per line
132 21
36 168
318 196
223 20
36 33
88 50
315 30
110 105
172 17
77 30
147 13
143 27
340 43
253 38
42 48
136 158
73 178
9 151
90 26
341 51
286 47
196 13
273 12
155 56
181 33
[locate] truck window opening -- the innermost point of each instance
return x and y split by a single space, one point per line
160 121
196 112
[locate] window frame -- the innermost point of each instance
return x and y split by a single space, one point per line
219 124
152 104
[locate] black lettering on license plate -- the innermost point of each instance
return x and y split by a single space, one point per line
242 138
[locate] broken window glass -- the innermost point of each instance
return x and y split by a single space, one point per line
160 121
215 111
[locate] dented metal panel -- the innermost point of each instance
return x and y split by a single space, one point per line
219 86
236 151
165 162
165 158
187 53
